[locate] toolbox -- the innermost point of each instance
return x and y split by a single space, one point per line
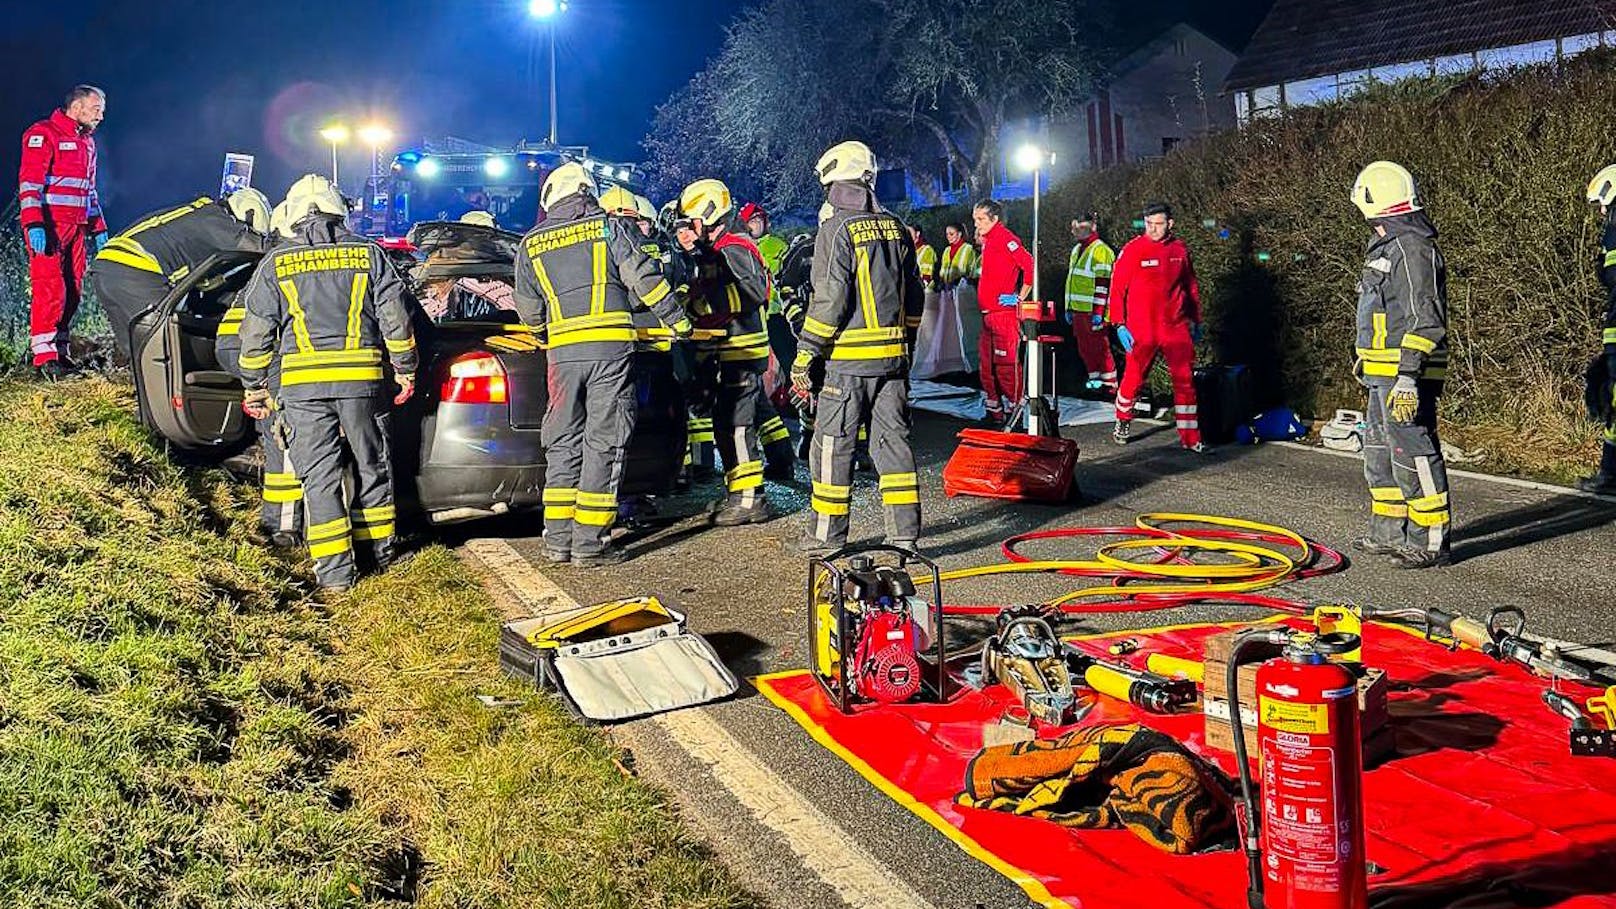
1012 465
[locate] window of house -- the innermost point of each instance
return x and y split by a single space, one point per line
1348 84
1454 64
1310 91
1181 47
1169 143
1242 106
1266 101
1400 71
1576 44
1518 55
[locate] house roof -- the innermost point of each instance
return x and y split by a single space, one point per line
1305 38
1146 52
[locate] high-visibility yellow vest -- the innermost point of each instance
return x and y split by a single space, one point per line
959 265
926 257
1088 276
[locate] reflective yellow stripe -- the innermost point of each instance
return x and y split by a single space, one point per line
401 347
595 518
112 254
744 477
855 335
1379 322
179 273
1372 355
356 306
881 352
597 499
594 334
733 295
1386 493
549 289
597 291
560 495
913 321
172 214
1415 342
333 358
329 529
374 531
911 497
283 496
377 514
898 480
866 291
1429 503
662 289
1610 257
227 329
832 491
1429 518
312 375
773 430
1386 510
813 326
300 328
330 548
257 361
1610 336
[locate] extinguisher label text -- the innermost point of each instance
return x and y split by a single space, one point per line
1285 716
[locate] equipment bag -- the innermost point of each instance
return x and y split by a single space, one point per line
1011 465
616 661
1224 399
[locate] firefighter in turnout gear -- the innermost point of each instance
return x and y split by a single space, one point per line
1088 286
779 458
1402 346
1602 192
579 278
138 266
867 304
327 308
729 289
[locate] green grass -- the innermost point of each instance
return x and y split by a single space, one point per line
183 725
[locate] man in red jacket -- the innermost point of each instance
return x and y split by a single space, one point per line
60 215
1156 306
1006 281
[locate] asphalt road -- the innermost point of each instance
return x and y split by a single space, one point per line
1549 553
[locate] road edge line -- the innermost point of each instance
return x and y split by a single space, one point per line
1467 474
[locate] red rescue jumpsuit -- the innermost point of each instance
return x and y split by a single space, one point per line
1006 268
56 191
1155 295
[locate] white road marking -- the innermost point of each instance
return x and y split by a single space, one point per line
1467 474
814 838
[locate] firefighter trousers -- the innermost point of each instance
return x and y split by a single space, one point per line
123 294
587 425
1094 348
325 437
1408 480
999 358
737 410
57 277
1176 346
282 509
845 403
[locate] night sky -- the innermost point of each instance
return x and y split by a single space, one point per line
188 81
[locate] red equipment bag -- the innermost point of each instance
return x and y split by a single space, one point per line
1011 465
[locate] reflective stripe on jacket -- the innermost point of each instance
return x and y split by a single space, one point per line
1403 302
172 241
56 180
1088 276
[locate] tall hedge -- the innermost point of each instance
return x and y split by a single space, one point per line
1501 159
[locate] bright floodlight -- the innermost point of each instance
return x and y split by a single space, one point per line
427 168
375 134
1029 157
335 134
496 167
544 9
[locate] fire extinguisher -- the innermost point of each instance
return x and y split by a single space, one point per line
1304 836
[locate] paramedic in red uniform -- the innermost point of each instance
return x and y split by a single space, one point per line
61 221
1006 281
1156 306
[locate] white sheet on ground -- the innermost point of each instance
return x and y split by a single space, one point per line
966 404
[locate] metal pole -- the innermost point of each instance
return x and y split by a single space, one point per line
1035 244
552 84
333 163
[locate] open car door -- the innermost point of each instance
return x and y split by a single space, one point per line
188 399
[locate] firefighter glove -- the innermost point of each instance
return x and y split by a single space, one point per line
1403 401
1125 338
683 329
802 383
36 240
100 243
406 387
257 403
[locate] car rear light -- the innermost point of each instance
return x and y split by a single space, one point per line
476 378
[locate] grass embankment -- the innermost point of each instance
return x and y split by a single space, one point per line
181 724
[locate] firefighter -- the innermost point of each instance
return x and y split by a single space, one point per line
730 290
1006 280
1088 285
60 214
137 267
1155 303
1402 347
574 279
779 458
1602 192
867 304
958 274
326 307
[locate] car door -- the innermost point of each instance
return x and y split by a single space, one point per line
191 401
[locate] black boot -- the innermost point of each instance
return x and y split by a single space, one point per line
1602 483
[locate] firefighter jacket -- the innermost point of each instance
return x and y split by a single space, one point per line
729 289
1153 285
1006 267
926 258
170 242
574 277
1403 302
868 298
1607 277
772 249
326 303
56 182
959 263
1088 276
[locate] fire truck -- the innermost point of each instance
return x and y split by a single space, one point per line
442 179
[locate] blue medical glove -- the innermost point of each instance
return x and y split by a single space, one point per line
100 243
1008 299
36 240
1125 338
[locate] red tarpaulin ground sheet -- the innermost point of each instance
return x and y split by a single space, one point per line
1483 806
